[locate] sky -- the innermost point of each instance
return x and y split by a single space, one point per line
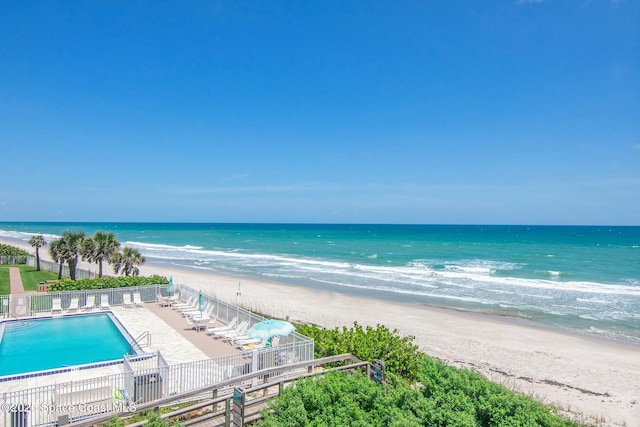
428 112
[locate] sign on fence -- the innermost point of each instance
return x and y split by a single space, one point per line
237 411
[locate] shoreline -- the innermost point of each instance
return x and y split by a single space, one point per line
593 377
502 317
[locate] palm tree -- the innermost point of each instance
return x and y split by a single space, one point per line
127 261
101 247
55 250
71 245
37 242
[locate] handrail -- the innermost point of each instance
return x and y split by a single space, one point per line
239 379
145 334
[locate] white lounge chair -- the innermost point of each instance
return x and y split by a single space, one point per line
90 303
126 300
248 343
56 306
180 305
193 307
208 308
104 302
228 327
73 305
233 333
137 300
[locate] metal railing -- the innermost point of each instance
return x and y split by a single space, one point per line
54 267
145 378
262 380
13 260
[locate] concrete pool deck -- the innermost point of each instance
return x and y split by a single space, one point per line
166 328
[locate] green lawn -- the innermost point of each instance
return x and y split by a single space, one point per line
30 277
4 280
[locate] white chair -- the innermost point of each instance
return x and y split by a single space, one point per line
208 308
73 305
181 305
248 343
56 306
104 302
233 333
137 300
228 327
90 303
164 301
126 300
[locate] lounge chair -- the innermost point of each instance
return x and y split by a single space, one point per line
126 300
193 307
104 302
233 333
137 301
180 305
56 306
208 308
248 343
228 327
90 303
73 305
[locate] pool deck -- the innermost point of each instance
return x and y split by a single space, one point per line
168 335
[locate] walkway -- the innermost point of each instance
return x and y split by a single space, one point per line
205 342
18 301
15 281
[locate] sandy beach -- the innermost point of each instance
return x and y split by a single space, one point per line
596 380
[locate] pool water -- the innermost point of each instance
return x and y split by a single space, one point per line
42 344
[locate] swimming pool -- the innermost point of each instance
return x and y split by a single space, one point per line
57 344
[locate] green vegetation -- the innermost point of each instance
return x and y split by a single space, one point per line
152 417
451 397
37 242
101 247
31 277
5 285
399 354
127 261
12 251
419 390
107 282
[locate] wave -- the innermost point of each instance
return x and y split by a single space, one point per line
469 274
25 236
159 246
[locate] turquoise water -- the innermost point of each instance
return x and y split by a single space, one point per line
575 277
41 344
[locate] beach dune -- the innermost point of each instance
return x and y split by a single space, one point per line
596 380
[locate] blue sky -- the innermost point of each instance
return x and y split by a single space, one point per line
518 112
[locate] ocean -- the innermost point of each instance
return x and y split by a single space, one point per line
578 278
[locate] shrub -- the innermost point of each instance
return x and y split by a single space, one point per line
13 255
107 282
399 354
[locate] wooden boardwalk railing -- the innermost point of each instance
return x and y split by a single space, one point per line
217 411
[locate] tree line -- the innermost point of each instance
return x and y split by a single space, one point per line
102 247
